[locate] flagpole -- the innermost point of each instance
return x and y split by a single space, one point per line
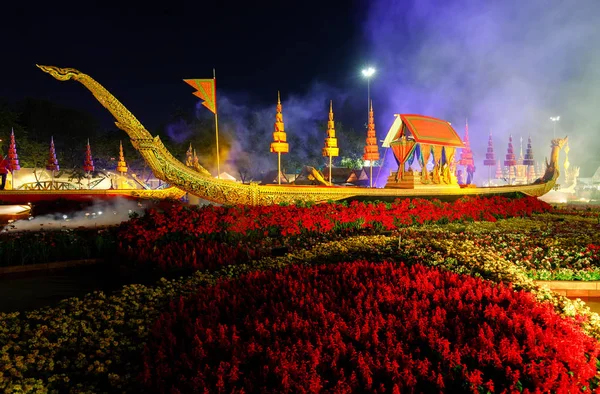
217 126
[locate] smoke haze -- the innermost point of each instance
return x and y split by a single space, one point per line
507 66
100 213
250 126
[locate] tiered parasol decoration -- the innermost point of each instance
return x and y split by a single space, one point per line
529 161
510 160
331 149
490 158
121 165
279 144
13 158
52 164
88 164
499 174
466 156
371 148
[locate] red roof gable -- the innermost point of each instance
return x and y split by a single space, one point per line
428 130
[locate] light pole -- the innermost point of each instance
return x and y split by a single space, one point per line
368 73
554 119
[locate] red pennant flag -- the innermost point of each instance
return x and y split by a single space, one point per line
205 90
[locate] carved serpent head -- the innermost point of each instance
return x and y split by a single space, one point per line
560 142
62 74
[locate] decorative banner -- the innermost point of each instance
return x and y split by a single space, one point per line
415 153
402 149
205 91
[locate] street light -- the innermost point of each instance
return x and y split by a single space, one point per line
555 119
368 73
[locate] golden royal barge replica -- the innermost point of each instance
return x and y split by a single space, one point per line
411 138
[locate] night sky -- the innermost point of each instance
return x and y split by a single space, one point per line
506 65
142 52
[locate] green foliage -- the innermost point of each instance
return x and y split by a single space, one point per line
565 274
351 163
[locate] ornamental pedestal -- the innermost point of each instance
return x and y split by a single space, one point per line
412 180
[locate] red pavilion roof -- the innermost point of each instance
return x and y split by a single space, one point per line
425 130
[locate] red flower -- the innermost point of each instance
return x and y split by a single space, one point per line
365 327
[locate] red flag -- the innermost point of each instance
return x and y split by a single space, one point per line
205 90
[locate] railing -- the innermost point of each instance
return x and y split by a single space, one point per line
48 185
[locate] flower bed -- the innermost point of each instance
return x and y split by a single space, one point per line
548 247
209 228
95 344
173 229
178 221
364 327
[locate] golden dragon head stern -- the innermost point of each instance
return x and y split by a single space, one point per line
560 142
62 74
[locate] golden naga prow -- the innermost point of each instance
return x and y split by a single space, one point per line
199 181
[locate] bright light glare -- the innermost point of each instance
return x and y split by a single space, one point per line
368 72
555 118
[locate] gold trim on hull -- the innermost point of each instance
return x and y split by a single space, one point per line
199 182
35 195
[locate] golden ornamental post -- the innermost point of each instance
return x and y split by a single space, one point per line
279 144
331 149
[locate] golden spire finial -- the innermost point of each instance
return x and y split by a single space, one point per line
278 98
331 149
121 165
